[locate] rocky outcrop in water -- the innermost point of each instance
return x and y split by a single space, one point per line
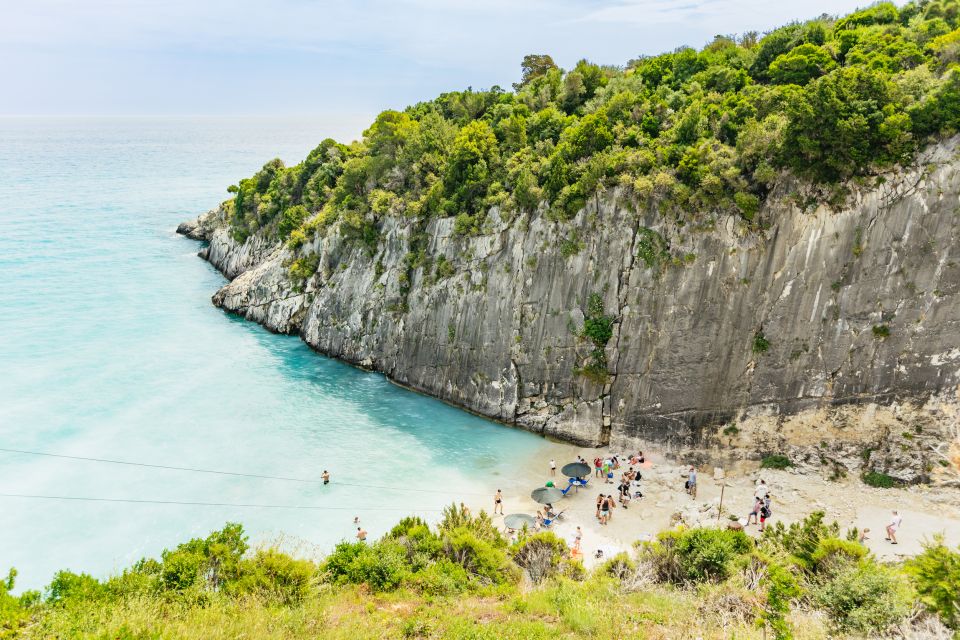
832 336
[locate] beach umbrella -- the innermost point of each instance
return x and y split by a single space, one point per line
575 470
517 520
546 495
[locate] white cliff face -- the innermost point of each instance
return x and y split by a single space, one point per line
860 309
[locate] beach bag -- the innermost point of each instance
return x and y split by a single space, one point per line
764 512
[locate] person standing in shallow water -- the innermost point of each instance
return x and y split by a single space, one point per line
498 503
361 534
326 476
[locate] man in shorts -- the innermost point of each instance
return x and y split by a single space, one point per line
755 512
692 482
326 476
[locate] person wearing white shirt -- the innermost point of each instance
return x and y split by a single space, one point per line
762 490
893 526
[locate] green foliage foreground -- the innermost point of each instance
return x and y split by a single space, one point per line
692 134
463 579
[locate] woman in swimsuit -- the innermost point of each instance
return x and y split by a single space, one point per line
498 502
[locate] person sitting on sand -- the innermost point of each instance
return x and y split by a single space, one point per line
892 527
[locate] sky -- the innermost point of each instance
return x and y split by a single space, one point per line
346 59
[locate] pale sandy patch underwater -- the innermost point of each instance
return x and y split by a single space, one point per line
111 348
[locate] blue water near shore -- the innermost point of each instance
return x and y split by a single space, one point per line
110 348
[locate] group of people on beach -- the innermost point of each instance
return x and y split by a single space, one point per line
605 467
605 505
762 508
629 488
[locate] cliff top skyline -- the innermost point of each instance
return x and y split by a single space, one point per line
340 61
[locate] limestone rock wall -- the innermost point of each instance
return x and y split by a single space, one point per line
859 309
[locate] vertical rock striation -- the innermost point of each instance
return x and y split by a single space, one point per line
831 335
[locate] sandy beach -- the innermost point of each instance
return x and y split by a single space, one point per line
926 511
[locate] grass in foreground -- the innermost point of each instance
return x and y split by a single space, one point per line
463 580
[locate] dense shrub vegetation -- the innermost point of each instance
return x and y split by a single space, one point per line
454 579
775 461
696 134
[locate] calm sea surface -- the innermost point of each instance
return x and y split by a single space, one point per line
110 348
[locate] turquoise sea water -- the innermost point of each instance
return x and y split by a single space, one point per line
110 348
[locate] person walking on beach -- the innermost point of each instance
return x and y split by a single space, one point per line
361 534
326 476
597 466
893 527
498 502
624 493
692 482
762 489
765 512
755 513
553 467
600 501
